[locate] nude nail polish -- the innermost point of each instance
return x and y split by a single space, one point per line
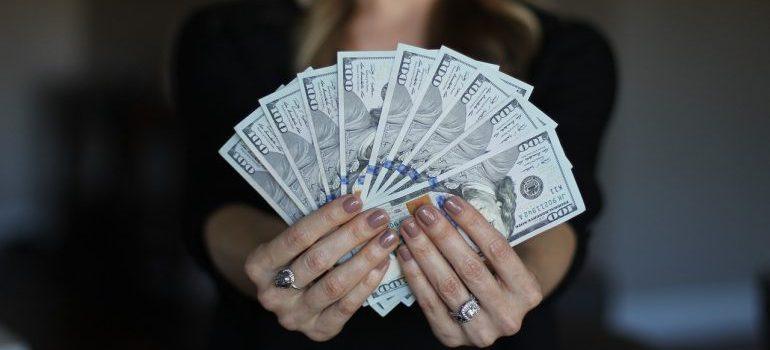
410 227
426 215
352 204
377 218
453 206
387 239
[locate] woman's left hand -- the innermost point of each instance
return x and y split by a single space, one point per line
444 273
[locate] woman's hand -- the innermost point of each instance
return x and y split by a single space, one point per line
444 272
327 296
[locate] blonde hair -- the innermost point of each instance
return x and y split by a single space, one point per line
499 31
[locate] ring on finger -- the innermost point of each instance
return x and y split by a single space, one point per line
467 311
285 279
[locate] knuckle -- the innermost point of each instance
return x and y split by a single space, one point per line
316 261
359 232
347 307
297 239
333 286
319 335
371 257
450 340
472 269
499 249
484 339
450 288
509 325
431 306
332 214
533 295
420 251
287 321
252 267
267 300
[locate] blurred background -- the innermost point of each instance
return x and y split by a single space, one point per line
89 209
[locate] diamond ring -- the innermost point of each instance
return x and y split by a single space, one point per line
285 279
467 311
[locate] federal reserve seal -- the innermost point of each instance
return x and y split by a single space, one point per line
531 187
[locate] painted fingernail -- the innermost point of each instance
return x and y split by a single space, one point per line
377 218
352 204
383 265
411 228
453 206
404 253
387 239
425 215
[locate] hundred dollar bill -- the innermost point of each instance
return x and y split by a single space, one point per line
410 73
449 74
483 93
258 135
362 78
510 119
522 188
318 89
393 289
285 111
243 161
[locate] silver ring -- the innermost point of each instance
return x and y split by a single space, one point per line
285 279
467 311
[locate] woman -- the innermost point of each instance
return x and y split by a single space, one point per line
231 54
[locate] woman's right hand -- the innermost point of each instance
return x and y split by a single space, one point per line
327 296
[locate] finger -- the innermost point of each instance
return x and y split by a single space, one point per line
323 254
480 331
280 251
492 244
440 275
341 280
332 319
465 262
446 329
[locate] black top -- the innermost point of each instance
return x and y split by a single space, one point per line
230 55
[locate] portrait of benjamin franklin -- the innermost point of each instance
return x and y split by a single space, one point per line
487 185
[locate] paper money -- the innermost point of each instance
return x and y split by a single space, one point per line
511 119
243 161
285 111
522 188
258 135
410 73
363 82
319 93
449 74
481 95
403 129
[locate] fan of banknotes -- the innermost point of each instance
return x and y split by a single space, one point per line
404 128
